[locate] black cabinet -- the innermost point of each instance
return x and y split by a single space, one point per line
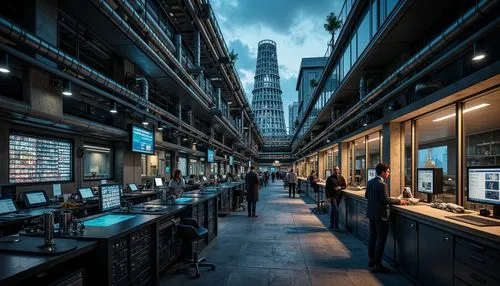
435 256
406 245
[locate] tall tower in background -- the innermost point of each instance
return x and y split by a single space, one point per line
266 102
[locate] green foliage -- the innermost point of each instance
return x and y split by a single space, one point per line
333 23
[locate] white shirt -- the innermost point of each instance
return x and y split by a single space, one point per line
382 179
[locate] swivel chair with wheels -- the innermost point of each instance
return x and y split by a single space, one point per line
190 232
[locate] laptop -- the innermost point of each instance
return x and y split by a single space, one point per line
34 199
87 195
8 210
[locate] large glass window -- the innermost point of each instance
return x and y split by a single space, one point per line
437 148
363 33
482 138
360 162
407 155
373 150
97 163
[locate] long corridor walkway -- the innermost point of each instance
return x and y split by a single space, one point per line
284 245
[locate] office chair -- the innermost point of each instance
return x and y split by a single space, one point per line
190 232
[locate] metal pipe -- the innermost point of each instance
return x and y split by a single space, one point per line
157 37
436 45
45 49
144 88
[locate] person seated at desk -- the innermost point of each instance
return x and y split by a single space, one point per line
177 184
192 180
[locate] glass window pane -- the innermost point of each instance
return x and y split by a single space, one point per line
360 163
97 163
482 139
373 150
390 4
363 33
374 12
407 155
437 148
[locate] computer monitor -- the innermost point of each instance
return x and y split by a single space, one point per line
34 199
372 173
7 206
430 180
109 197
86 193
483 184
133 187
158 182
56 190
8 192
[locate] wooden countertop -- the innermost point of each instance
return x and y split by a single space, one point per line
438 216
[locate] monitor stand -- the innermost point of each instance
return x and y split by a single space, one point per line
429 198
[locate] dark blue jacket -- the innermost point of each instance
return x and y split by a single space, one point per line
378 200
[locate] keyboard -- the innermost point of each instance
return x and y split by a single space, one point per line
475 220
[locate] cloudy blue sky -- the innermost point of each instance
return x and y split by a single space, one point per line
295 25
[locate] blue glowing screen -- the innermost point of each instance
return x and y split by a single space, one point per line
107 220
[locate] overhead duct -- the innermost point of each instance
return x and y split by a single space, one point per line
144 88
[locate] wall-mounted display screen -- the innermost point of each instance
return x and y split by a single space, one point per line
143 140
109 197
37 160
435 157
86 193
210 155
484 185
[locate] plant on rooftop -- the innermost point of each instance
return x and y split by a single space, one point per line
333 23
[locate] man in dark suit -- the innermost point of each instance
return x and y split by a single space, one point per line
378 213
334 186
252 182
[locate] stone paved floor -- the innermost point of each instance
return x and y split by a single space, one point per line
285 245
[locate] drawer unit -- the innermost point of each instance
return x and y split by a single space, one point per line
478 256
472 276
120 261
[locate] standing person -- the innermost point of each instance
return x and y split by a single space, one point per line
252 182
292 179
273 175
334 186
177 184
378 213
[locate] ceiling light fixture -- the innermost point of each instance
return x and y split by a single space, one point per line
478 53
160 126
67 90
114 110
465 111
4 64
145 121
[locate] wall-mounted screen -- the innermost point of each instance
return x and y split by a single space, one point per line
484 185
142 140
37 160
210 155
435 157
372 173
109 197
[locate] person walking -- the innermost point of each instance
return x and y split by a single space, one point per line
334 186
292 179
252 182
378 213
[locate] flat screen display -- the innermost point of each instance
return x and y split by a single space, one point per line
210 155
107 220
86 193
133 187
8 192
372 173
425 181
435 157
483 185
143 140
231 161
158 182
37 160
110 197
56 190
35 198
7 206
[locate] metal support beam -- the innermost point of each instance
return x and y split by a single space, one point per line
197 48
178 47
